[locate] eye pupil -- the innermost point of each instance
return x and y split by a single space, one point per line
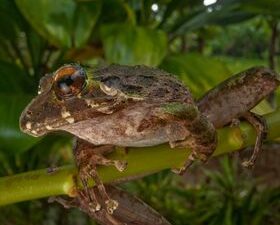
64 87
67 80
64 84
70 81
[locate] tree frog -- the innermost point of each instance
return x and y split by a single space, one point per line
139 106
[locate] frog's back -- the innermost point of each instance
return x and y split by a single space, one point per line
143 81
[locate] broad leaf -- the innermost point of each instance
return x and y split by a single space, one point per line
130 45
11 24
13 79
86 15
268 7
10 21
215 16
14 83
65 23
11 138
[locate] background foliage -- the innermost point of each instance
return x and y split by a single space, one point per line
201 44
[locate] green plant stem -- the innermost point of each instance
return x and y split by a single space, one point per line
141 161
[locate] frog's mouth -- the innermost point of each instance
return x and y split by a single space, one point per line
30 125
39 118
37 129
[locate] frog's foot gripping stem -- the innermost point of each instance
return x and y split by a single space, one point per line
260 126
180 171
192 157
88 157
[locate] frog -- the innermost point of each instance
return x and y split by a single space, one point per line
138 106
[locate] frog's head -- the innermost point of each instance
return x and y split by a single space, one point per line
61 101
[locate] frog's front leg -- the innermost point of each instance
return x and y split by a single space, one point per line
187 127
88 157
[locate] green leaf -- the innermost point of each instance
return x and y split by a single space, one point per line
130 45
268 7
36 46
224 13
13 79
11 138
52 19
10 21
197 72
62 22
14 83
12 25
86 15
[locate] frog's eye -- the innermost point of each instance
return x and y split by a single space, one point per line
69 81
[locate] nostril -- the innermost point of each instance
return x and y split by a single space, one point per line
29 113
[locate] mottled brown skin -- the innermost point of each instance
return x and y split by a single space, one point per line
124 106
237 95
140 106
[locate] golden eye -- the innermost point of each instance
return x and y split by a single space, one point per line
69 81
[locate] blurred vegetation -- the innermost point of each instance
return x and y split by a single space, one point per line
225 197
201 44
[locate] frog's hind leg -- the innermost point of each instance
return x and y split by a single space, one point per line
261 128
88 157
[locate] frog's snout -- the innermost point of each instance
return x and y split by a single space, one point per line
26 125
30 124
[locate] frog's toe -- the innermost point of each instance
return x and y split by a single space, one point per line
94 206
178 171
102 160
248 164
111 205
120 165
182 170
235 122
84 172
187 164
